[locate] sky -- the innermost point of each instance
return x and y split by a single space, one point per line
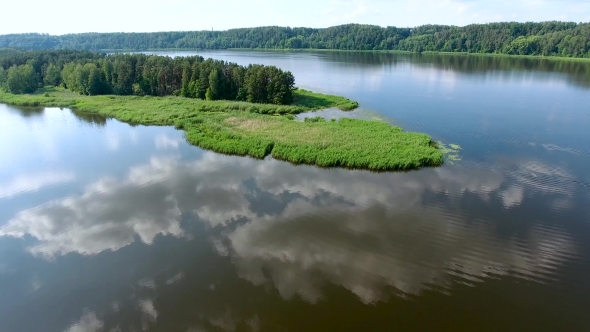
74 16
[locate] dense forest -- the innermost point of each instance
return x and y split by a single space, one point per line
139 74
546 38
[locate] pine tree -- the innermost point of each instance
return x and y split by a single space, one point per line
214 90
185 91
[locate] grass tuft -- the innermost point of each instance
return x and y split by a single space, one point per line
316 101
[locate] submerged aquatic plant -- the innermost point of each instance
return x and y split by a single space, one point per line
450 152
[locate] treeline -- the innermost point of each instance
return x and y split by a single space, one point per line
22 72
546 38
140 74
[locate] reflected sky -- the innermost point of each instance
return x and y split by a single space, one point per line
299 229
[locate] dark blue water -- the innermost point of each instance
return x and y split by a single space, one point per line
109 227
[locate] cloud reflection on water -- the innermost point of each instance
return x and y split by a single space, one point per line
89 322
33 182
298 228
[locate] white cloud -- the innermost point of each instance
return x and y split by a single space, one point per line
176 278
148 308
226 322
545 178
164 142
360 230
98 220
147 283
88 323
113 141
298 257
512 196
25 183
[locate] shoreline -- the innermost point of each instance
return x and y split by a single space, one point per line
260 130
318 50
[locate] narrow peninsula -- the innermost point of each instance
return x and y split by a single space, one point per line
221 106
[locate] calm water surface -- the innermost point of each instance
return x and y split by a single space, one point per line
110 227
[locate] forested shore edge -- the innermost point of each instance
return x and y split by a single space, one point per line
89 73
561 39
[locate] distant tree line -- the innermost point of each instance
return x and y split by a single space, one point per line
546 38
140 74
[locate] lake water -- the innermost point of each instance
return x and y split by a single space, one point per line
110 227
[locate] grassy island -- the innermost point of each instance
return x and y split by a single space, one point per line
259 130
221 106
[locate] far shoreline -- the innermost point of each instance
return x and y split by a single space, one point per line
319 50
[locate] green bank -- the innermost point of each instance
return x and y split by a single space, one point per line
259 130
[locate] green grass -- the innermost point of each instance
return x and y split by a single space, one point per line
305 101
259 130
315 101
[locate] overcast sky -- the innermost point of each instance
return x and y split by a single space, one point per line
72 16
